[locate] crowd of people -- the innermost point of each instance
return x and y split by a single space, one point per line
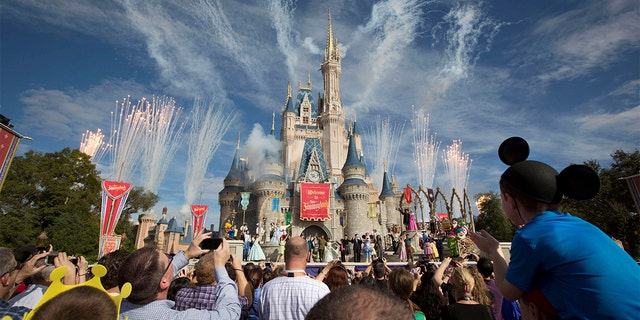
561 267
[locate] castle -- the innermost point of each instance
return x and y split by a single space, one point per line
318 183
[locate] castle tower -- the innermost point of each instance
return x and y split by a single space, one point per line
145 221
331 118
390 200
270 184
161 226
172 237
229 197
355 192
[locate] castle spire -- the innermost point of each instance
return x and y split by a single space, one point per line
330 52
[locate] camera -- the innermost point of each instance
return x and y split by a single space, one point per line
49 259
210 243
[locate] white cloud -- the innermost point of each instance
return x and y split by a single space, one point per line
590 37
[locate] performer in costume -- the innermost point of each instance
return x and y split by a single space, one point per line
413 226
256 253
368 249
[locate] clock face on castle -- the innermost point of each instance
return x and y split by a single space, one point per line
313 176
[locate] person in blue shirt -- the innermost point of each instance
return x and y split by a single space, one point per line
575 265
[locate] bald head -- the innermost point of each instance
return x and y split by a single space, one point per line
296 250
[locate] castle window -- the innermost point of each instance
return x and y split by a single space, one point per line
305 120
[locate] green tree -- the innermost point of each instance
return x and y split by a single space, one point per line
492 217
612 209
44 190
59 193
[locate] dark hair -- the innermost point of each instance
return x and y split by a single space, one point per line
363 303
379 269
144 271
79 303
112 261
485 267
176 285
429 297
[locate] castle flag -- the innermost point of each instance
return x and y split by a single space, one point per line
634 186
198 215
9 141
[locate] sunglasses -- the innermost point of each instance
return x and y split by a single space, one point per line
170 257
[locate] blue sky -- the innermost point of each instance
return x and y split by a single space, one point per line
565 75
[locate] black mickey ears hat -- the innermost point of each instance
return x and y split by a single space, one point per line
541 182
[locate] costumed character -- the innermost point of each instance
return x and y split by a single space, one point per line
227 228
368 249
452 244
277 234
402 248
256 253
412 226
465 245
434 248
247 244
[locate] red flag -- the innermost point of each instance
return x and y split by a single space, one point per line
314 200
9 141
634 186
198 215
114 196
109 244
407 195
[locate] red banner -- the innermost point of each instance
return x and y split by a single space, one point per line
634 186
114 196
314 199
198 216
407 195
109 244
9 141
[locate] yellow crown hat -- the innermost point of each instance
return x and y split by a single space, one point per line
57 287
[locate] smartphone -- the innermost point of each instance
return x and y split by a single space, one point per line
210 243
48 260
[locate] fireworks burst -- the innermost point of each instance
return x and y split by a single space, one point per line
457 165
93 145
128 127
161 140
385 143
208 126
425 150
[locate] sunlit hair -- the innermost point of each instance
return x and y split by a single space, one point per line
480 290
401 284
204 269
462 281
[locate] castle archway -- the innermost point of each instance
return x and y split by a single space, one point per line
315 230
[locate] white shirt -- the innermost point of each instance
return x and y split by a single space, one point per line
29 297
290 297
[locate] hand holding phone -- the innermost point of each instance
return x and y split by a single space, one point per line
210 243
